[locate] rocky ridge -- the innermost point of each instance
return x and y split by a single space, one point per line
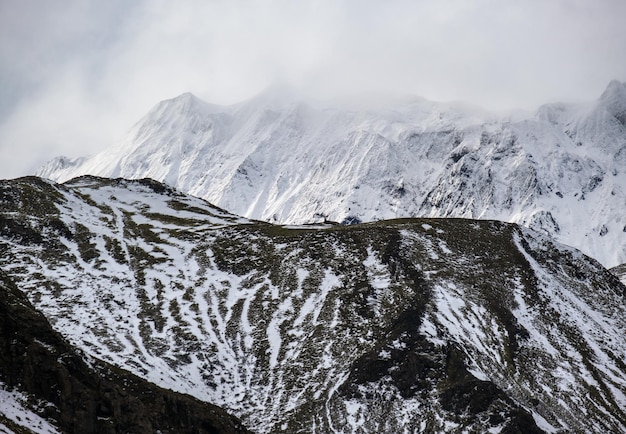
413 325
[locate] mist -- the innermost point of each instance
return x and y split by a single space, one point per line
76 75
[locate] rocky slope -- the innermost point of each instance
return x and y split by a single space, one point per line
281 158
620 272
48 386
415 325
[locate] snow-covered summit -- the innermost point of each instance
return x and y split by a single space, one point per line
283 158
615 98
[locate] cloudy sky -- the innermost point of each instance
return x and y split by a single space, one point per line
76 74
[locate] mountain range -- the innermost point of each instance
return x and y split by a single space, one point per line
287 265
286 159
408 325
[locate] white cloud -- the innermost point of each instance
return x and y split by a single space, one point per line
75 75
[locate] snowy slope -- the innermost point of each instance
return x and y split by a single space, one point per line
285 159
17 415
431 325
48 386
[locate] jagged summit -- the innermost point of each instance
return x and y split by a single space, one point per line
60 167
615 90
185 108
186 103
614 98
186 98
281 158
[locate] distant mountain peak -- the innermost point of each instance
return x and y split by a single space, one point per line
614 99
184 102
614 88
60 165
185 96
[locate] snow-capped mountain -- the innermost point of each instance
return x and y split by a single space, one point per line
413 325
281 158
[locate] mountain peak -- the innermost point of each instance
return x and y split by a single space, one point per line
614 93
60 165
185 104
186 100
614 99
185 96
615 87
185 109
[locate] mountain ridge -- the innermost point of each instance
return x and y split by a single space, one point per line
408 325
287 160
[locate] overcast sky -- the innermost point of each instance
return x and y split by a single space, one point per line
76 74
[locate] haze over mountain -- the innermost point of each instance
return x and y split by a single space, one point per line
413 325
282 159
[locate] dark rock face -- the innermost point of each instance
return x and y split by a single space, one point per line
416 367
35 359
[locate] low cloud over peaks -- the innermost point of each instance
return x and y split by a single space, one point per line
76 75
